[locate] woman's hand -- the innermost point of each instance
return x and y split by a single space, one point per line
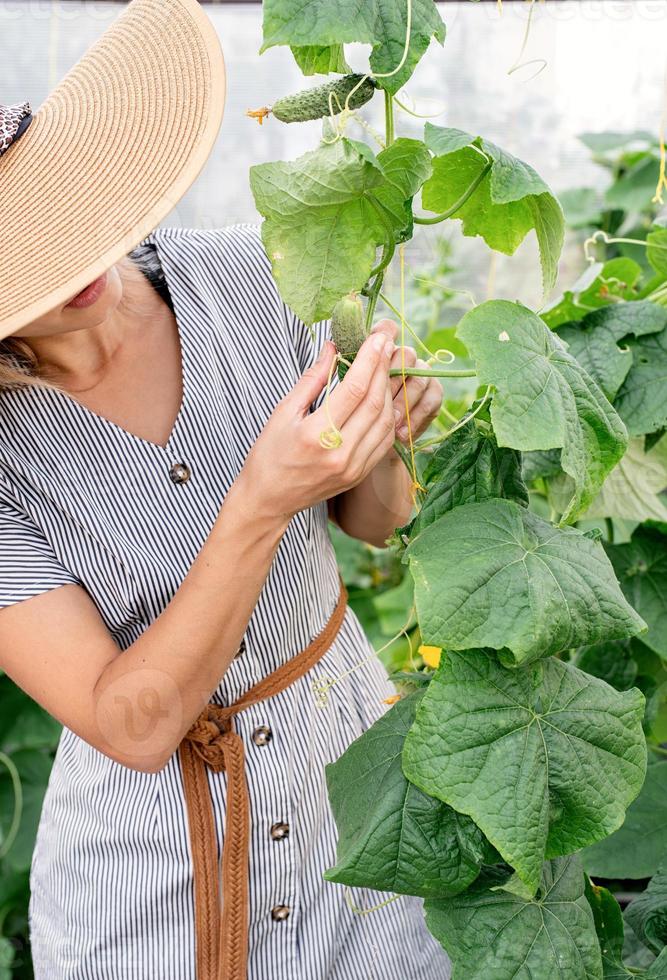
288 469
424 396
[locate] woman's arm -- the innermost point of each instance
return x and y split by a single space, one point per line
136 705
383 501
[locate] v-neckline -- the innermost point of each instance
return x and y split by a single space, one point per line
109 423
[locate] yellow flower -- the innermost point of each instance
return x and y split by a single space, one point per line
430 655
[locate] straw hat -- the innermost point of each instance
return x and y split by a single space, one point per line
110 152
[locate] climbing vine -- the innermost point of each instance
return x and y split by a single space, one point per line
484 786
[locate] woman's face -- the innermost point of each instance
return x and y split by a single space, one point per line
89 308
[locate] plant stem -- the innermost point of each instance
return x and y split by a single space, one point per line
432 373
609 525
388 117
457 204
405 457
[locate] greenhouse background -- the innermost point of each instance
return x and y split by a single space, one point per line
571 78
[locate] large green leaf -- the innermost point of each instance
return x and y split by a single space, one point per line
638 848
406 164
496 575
595 341
545 759
641 568
468 466
544 398
381 23
511 200
393 837
647 914
320 232
492 934
641 401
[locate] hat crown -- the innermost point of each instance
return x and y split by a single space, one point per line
14 120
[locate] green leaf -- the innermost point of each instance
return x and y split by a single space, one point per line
381 23
610 931
320 231
23 724
318 59
647 914
641 401
610 660
392 837
635 189
34 768
631 491
468 466
544 399
511 199
658 969
641 568
582 207
7 957
545 760
640 846
494 935
604 142
406 164
657 249
595 341
600 285
496 575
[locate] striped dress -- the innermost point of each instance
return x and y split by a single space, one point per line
84 501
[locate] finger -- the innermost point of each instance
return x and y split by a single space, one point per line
402 356
424 412
416 387
368 416
390 327
349 393
372 441
312 381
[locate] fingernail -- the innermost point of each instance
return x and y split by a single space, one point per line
397 415
379 341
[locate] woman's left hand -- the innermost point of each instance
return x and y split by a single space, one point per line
424 396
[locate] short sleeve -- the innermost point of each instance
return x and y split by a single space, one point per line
28 563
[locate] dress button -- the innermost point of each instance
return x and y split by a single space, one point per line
180 472
279 913
279 831
241 650
262 735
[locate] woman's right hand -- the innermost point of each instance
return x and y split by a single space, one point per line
288 469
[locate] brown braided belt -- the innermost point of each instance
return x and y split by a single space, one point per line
222 937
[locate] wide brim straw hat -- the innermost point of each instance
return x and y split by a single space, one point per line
107 156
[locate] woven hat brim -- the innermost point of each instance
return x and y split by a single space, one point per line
108 155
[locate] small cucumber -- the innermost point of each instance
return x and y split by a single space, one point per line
313 103
348 328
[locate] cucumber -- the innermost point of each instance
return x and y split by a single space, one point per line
348 328
313 103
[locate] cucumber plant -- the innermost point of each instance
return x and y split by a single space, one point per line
479 789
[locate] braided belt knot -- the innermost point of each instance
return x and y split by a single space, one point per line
207 734
221 900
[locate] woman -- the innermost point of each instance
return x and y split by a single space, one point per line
164 499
